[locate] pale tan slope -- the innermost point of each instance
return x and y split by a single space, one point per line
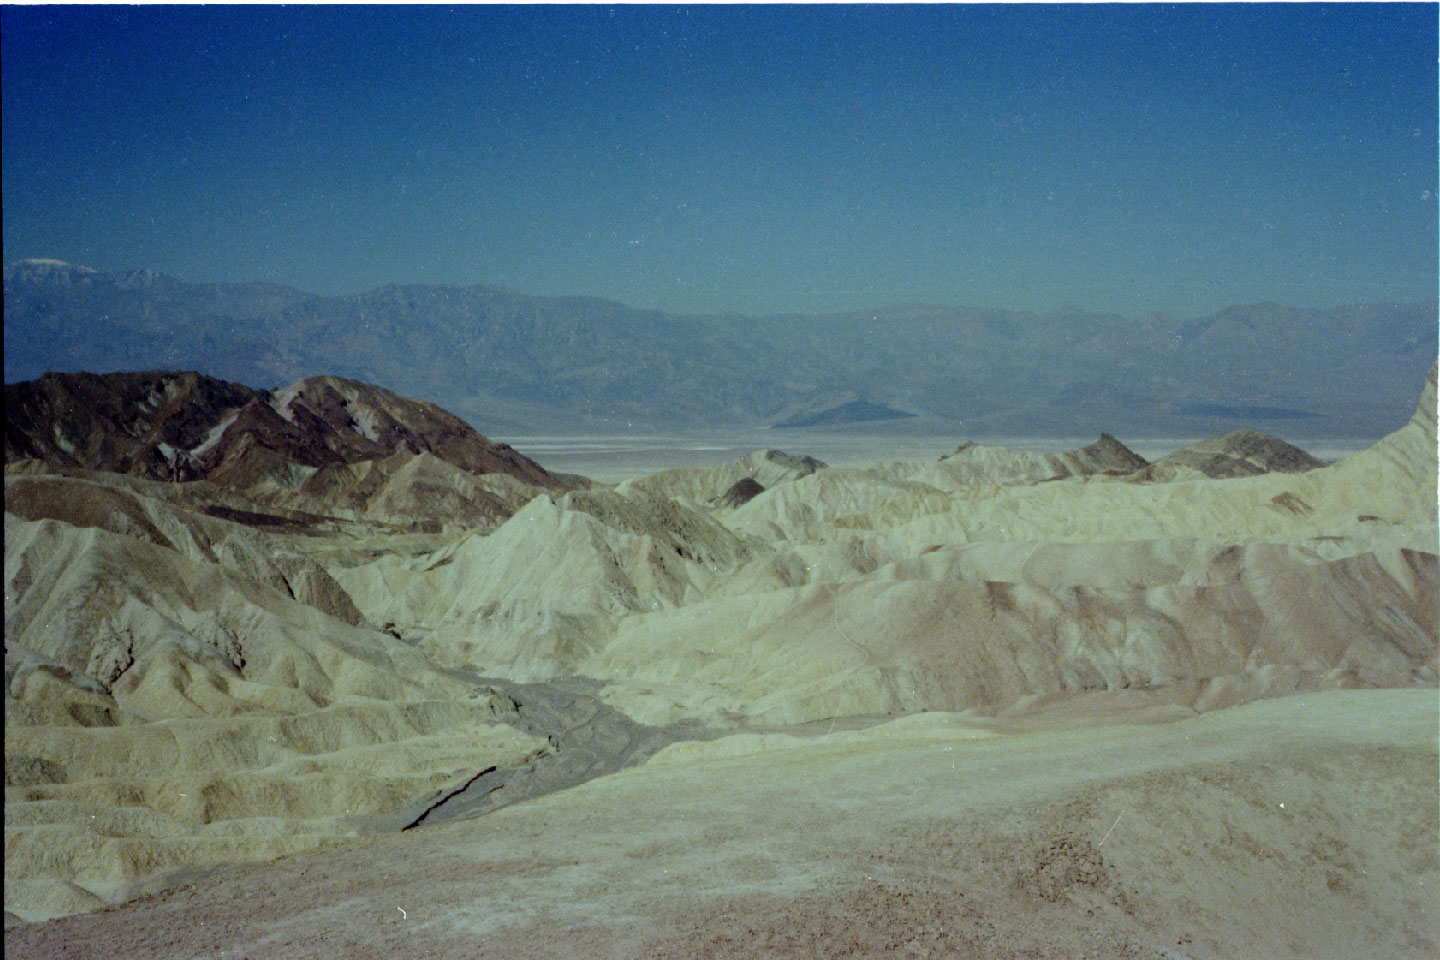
901 520
806 508
769 468
862 591
523 599
546 556
900 641
811 508
101 603
402 488
128 506
1294 828
1391 485
1404 461
885 594
169 704
816 631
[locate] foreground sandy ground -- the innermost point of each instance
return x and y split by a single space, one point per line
1303 826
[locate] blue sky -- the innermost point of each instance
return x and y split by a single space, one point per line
754 159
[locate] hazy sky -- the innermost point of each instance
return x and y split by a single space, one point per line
757 159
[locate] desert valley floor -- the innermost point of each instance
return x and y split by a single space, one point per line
421 697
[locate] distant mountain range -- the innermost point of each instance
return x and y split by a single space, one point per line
856 411
509 362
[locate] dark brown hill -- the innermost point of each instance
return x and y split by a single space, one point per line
741 492
1239 453
1111 456
1105 456
167 425
133 423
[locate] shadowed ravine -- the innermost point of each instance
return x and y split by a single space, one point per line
586 738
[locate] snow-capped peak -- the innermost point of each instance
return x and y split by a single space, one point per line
44 265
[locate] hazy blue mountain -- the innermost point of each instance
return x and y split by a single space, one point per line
508 361
856 411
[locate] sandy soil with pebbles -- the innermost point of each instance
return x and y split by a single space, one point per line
1296 827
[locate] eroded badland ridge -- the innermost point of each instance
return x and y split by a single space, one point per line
994 704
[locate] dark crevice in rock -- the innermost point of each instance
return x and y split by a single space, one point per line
586 738
441 802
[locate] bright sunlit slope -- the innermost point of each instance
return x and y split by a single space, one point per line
182 690
977 581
